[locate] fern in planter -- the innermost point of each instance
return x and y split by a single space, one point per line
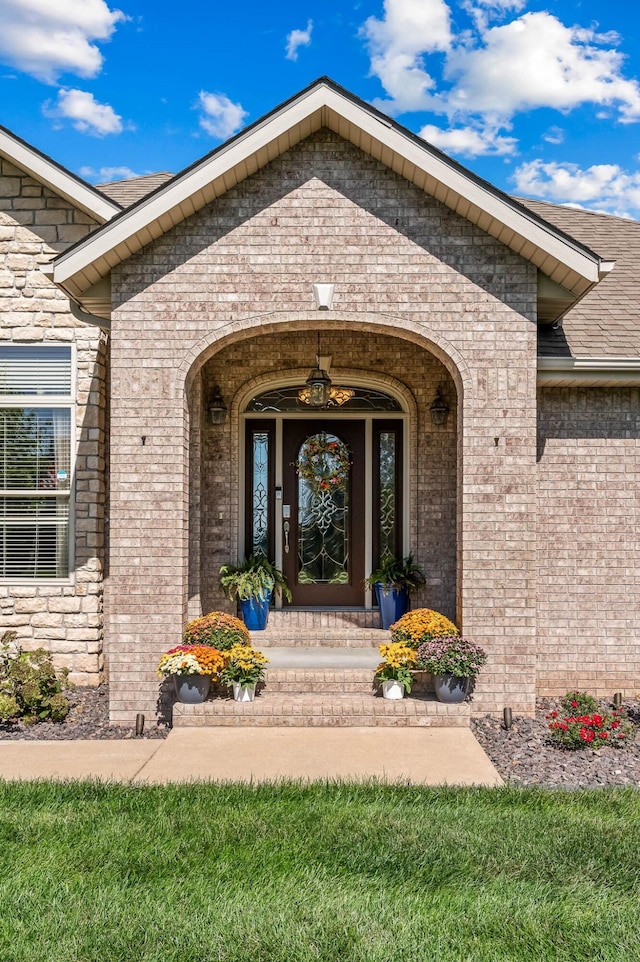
393 582
255 577
398 573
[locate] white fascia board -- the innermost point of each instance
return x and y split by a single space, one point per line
57 179
588 370
145 213
589 363
278 124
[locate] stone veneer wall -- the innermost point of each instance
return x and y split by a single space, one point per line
588 543
403 264
64 617
433 451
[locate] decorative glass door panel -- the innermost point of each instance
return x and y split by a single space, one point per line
387 490
259 487
323 468
323 511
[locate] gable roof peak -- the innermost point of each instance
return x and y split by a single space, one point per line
325 104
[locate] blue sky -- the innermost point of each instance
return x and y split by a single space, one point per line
541 97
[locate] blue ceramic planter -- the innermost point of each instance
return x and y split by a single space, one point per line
255 613
393 603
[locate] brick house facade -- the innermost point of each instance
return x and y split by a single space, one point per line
522 507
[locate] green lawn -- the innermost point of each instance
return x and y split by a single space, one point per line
374 873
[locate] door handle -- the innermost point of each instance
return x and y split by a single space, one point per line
285 527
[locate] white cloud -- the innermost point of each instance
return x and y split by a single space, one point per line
482 11
469 141
554 135
107 174
298 38
397 43
118 173
84 112
491 73
45 38
536 61
605 187
220 117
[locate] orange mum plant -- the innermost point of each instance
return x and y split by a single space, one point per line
217 629
421 625
192 660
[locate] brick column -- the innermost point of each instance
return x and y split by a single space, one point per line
145 591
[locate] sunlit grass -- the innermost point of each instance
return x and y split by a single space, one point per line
294 872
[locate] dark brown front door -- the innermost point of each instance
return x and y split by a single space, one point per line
324 511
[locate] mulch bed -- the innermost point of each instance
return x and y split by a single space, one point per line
522 755
88 718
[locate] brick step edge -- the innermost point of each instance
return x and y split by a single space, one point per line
350 620
357 710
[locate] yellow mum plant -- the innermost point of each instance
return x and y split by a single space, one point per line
244 665
421 625
399 659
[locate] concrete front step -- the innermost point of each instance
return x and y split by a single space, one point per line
280 709
321 656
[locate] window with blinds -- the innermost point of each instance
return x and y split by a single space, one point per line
35 461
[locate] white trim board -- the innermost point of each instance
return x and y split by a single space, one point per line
56 178
588 371
324 104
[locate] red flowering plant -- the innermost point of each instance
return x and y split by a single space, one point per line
581 724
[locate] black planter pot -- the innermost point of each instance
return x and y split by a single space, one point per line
451 689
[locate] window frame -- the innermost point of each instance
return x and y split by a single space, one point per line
53 401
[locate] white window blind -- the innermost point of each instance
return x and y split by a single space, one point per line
35 462
39 370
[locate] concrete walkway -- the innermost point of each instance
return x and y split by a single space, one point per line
422 756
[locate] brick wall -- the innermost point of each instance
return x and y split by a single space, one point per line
65 618
403 265
588 544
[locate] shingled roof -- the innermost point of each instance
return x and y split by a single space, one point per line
127 192
606 322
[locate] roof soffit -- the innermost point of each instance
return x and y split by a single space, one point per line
564 260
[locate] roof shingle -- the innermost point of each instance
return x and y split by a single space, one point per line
606 322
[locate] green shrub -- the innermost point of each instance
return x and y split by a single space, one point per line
578 703
9 707
30 686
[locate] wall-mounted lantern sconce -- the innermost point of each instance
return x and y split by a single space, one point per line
323 294
216 409
438 409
